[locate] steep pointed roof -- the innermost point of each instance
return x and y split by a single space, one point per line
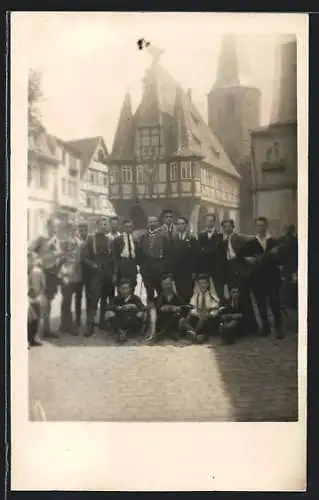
198 140
186 134
123 145
86 147
233 67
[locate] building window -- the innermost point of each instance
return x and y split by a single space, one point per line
186 170
149 142
173 172
78 164
64 186
29 175
66 159
43 178
126 174
140 174
72 162
70 187
59 154
114 175
105 180
161 168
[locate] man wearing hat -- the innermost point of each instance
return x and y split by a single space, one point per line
98 255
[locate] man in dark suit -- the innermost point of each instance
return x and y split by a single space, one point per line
261 254
183 259
211 259
235 275
98 254
124 247
151 254
169 231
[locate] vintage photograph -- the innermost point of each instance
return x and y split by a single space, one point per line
162 214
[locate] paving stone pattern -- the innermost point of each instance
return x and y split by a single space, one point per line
79 379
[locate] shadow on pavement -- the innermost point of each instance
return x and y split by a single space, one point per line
260 375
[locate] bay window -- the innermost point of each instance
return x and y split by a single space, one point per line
186 170
173 172
126 174
140 174
114 174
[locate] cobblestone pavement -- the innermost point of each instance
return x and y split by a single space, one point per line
76 378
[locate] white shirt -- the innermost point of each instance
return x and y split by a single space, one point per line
182 236
112 236
230 251
263 241
210 232
125 252
210 301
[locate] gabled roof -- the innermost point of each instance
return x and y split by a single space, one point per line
123 146
165 103
40 143
86 147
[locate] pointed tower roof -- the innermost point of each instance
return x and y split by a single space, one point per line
123 140
232 67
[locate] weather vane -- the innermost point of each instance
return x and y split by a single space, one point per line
155 52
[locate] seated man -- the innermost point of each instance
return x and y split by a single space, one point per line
204 315
231 318
167 312
126 313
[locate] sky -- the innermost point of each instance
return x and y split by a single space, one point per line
90 60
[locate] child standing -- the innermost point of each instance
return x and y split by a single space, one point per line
36 297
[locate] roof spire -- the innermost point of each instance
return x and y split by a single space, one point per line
232 66
121 144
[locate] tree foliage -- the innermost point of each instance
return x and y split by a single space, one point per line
34 99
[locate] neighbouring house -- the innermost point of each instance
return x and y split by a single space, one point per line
94 187
165 156
274 149
43 167
67 179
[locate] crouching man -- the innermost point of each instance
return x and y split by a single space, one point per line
126 315
204 316
231 318
167 313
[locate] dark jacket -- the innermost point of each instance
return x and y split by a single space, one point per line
211 258
119 301
98 254
183 254
266 269
152 252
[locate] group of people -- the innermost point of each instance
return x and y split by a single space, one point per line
195 287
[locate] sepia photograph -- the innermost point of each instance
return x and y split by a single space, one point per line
161 178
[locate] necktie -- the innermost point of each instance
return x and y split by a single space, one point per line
203 301
129 246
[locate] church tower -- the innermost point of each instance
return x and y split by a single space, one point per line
233 111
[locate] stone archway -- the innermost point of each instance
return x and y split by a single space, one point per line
138 217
